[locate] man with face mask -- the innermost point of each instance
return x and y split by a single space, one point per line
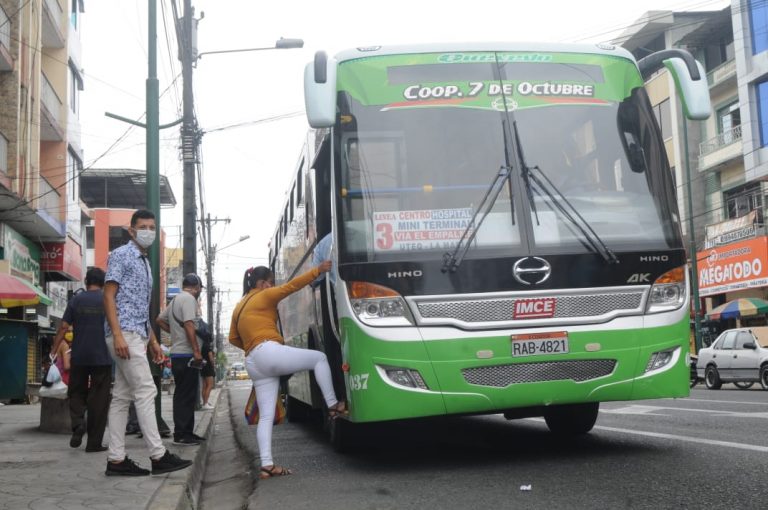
127 295
180 319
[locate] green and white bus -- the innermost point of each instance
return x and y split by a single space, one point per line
505 232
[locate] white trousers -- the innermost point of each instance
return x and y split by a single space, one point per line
265 364
133 383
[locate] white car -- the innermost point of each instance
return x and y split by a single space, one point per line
736 356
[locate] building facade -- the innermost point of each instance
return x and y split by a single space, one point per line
41 157
726 155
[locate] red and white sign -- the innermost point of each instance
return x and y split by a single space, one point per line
733 267
534 308
66 258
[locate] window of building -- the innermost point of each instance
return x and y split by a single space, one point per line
762 111
663 114
118 236
740 201
758 20
728 118
74 169
74 15
718 53
75 85
90 237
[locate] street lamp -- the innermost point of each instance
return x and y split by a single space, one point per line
242 238
280 44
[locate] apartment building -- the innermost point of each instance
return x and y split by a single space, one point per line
41 157
727 155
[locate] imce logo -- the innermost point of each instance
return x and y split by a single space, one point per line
534 308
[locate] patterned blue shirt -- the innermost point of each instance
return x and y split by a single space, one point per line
129 268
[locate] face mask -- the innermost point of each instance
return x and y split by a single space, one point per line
145 238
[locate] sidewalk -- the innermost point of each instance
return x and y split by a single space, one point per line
39 470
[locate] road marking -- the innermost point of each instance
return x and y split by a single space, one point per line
712 442
653 410
717 401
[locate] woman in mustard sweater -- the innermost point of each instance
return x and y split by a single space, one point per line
254 325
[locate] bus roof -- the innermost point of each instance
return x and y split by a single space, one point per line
369 51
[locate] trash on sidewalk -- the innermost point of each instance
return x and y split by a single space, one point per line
526 487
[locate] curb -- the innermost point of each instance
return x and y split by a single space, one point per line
181 490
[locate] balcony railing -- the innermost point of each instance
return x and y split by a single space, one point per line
723 139
5 29
722 72
51 100
3 154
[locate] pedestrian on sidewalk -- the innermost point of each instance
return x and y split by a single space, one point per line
90 372
180 319
127 295
254 328
208 373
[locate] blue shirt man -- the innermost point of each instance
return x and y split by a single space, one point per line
129 269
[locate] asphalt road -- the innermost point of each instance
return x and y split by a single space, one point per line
707 451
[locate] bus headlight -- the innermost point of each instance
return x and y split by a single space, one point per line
377 305
668 291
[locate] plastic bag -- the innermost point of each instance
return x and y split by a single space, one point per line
56 390
53 376
252 409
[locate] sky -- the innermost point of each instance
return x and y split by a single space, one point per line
250 104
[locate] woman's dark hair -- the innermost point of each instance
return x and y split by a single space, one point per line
94 276
254 275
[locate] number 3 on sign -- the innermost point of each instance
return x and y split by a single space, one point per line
358 382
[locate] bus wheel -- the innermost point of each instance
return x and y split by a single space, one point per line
296 411
572 419
341 433
712 378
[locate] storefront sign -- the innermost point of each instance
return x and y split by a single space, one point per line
718 229
748 232
64 258
22 254
736 266
58 293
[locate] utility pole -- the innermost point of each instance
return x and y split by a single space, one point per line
692 249
210 259
189 138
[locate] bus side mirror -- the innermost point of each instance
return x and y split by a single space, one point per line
320 91
694 93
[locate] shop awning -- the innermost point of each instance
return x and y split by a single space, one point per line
739 308
17 292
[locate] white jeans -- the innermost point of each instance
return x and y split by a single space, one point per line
265 364
133 383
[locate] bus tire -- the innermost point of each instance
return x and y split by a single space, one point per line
712 378
296 411
572 419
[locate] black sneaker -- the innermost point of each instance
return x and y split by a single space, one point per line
186 441
92 449
169 462
125 468
77 436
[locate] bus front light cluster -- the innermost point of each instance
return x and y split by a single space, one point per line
377 305
668 291
660 359
405 377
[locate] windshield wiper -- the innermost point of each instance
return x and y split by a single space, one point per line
452 260
559 201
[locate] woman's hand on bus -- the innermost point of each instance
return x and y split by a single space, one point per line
324 267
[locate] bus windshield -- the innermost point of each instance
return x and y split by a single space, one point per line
420 139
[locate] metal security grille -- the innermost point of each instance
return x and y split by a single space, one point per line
501 309
501 376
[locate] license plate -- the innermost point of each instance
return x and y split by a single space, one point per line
539 344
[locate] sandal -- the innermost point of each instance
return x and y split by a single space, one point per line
274 471
338 409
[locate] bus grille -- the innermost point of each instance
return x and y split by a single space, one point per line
501 309
501 376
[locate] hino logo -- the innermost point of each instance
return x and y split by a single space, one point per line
416 273
654 258
539 273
